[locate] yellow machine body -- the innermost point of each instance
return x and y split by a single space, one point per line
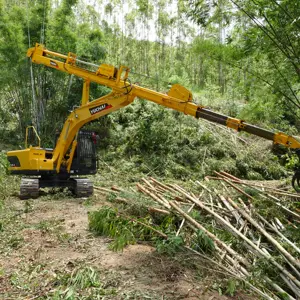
30 159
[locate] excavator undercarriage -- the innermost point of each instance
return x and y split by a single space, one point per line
30 187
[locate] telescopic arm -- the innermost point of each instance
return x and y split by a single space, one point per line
123 93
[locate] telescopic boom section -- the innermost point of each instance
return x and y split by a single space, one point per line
123 93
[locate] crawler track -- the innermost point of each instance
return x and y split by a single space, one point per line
83 187
29 188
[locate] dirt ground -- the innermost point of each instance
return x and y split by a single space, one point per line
43 241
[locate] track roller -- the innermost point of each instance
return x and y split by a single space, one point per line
29 188
83 187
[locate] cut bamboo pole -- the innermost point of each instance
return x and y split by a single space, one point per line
261 188
161 184
249 242
279 233
291 285
220 175
234 263
279 289
183 220
283 207
220 206
149 185
158 210
153 196
238 189
234 212
209 234
229 176
203 186
252 287
292 259
225 187
246 208
211 202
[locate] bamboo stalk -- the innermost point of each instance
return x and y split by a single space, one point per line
229 176
246 208
291 285
235 264
220 175
221 207
183 220
161 185
249 242
234 212
253 186
279 289
255 289
292 267
209 234
154 191
238 189
211 202
283 207
203 186
292 259
149 185
225 187
153 196
279 233
158 210
271 190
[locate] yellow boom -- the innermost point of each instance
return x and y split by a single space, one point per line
123 93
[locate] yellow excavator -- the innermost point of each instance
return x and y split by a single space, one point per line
75 153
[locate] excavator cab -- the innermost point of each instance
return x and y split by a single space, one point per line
85 158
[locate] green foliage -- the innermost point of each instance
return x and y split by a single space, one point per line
126 230
63 23
291 161
83 278
231 287
202 243
151 140
80 283
109 222
170 246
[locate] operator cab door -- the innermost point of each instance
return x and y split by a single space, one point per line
85 159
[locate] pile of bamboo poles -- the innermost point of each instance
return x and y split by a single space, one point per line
226 205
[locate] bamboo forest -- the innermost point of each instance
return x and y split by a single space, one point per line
150 149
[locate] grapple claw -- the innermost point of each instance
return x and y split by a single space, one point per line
296 181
